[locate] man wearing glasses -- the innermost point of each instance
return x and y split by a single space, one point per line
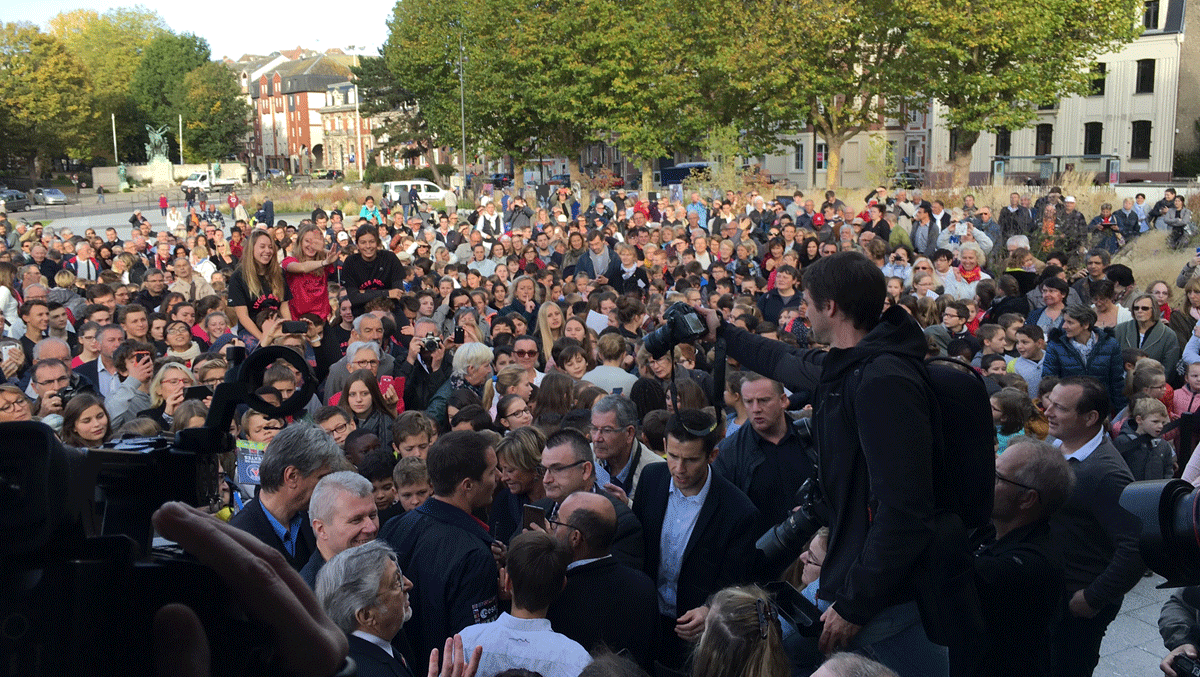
49 376
1020 572
621 457
569 467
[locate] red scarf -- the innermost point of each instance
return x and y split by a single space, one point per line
973 275
1165 311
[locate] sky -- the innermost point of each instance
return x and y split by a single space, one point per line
233 28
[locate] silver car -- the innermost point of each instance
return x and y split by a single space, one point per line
49 196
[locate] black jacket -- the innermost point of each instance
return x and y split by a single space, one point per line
606 603
373 661
420 384
628 543
638 283
876 455
720 552
1020 590
742 461
365 280
772 304
447 555
253 519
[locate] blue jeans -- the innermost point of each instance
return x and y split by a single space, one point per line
897 639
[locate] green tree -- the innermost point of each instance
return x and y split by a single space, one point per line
158 83
46 95
216 115
111 46
401 127
992 62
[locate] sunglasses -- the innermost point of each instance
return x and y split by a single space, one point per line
525 353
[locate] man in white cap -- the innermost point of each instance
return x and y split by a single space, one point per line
1072 226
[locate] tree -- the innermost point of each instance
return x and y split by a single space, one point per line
46 95
403 128
992 62
111 46
217 116
158 83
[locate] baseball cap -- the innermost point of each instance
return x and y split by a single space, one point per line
562 218
1069 198
343 237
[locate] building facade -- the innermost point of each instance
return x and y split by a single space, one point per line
289 132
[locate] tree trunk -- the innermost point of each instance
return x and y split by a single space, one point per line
518 172
962 158
431 158
833 161
646 167
35 167
573 168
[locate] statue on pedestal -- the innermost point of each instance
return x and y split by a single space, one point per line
157 148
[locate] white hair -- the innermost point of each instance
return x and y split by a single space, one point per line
324 497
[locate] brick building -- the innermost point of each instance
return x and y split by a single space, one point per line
287 100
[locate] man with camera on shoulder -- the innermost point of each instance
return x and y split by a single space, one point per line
874 433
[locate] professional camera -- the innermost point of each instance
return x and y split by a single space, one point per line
430 343
681 324
1169 511
1185 667
65 394
784 540
81 573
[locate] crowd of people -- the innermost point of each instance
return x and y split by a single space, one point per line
493 458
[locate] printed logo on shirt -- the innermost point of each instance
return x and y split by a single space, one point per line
486 611
372 284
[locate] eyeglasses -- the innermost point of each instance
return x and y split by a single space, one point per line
85 337
338 429
953 316
10 405
214 382
605 431
517 412
555 523
525 353
1002 478
1143 308
175 381
558 469
177 330
61 379
366 363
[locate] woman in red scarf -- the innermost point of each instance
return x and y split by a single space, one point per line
1161 292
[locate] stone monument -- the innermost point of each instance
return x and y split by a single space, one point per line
162 172
122 177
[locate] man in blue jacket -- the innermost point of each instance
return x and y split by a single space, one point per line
600 262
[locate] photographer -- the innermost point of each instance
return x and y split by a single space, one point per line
875 442
425 368
1179 625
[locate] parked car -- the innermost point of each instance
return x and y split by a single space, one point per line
203 181
13 201
329 175
273 174
908 180
397 191
559 180
500 180
49 196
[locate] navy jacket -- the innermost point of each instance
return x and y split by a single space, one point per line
621 624
253 519
447 555
373 661
720 552
1103 362
585 265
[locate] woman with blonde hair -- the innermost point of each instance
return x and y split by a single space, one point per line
167 392
550 325
257 285
519 457
8 290
308 270
742 637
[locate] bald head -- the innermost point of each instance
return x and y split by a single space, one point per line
595 524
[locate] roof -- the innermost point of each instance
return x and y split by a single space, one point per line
312 74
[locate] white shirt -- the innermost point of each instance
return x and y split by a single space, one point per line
386 646
529 643
1086 450
589 560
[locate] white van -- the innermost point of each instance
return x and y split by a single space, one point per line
397 191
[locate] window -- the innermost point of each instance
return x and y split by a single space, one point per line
1099 71
1003 142
798 164
1139 149
1093 138
1145 76
1044 143
821 151
1150 17
1050 105
953 152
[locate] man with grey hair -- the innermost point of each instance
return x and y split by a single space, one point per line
620 455
367 327
366 596
847 664
1020 573
295 460
343 514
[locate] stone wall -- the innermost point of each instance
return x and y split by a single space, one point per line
107 176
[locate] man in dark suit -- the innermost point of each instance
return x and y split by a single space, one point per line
699 532
571 467
292 464
587 523
1098 537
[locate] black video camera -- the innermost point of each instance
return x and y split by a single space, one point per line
80 571
681 324
1169 511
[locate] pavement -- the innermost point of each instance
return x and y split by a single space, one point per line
1132 645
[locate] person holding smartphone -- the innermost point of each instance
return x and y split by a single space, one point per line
135 362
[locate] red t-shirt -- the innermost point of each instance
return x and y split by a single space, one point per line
310 291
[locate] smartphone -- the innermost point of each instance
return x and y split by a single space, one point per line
295 327
140 355
617 391
459 335
197 392
532 514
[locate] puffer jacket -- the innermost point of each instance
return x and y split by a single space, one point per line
1103 362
